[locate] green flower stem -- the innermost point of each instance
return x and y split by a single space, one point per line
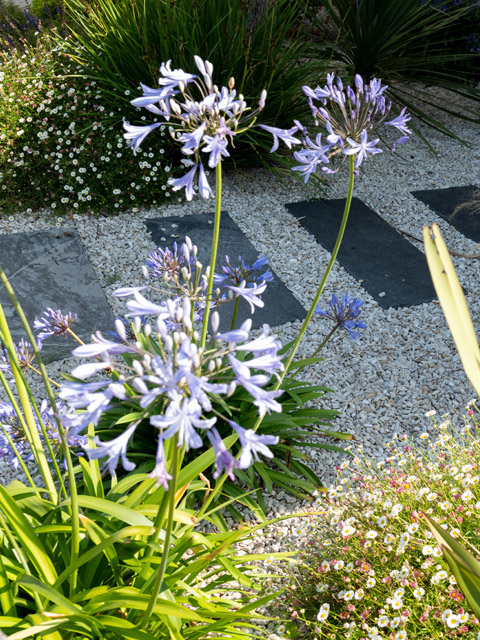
75 337
213 255
235 311
75 540
168 535
325 340
306 322
317 350
39 374
320 289
31 431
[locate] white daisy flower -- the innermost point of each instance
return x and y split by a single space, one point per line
348 531
404 538
452 621
383 621
395 622
322 615
396 510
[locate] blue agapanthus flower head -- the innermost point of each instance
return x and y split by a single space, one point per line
25 356
53 323
168 263
243 272
345 314
201 117
173 384
346 117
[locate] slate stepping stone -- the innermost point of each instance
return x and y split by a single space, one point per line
389 267
280 304
51 269
445 201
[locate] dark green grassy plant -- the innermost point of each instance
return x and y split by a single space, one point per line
411 46
124 43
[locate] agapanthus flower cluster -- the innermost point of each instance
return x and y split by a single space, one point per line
369 564
25 356
179 270
172 381
345 314
202 124
346 117
169 264
11 430
250 274
53 323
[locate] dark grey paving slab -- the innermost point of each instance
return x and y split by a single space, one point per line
280 304
390 268
445 201
52 269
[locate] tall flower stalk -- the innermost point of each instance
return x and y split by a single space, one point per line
346 117
213 255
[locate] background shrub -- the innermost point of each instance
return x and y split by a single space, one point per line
407 41
57 151
261 44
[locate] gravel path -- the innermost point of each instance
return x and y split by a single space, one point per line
405 363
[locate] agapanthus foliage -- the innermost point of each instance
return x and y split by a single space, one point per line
346 118
345 314
203 122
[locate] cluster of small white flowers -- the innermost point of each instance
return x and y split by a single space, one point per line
58 115
375 519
